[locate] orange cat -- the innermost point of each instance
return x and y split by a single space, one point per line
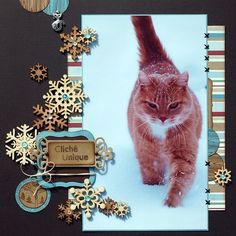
164 117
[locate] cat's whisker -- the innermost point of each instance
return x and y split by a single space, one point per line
145 122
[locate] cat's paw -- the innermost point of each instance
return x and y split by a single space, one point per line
173 201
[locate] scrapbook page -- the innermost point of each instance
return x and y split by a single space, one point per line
113 118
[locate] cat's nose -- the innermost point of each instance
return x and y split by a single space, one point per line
163 119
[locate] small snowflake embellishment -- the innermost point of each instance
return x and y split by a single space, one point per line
65 97
87 198
77 41
47 119
121 209
67 214
88 36
38 72
223 176
20 142
108 210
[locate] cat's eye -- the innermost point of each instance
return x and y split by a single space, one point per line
173 105
151 105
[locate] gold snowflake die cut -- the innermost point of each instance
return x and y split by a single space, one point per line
47 118
64 97
108 210
77 41
121 209
87 198
67 214
89 35
38 72
223 176
20 142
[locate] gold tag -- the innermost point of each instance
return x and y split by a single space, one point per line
71 153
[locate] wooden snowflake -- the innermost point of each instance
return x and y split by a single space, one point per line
103 154
223 176
47 118
64 97
108 210
87 198
67 214
38 72
89 36
121 209
20 141
77 41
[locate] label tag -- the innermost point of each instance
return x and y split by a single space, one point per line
71 153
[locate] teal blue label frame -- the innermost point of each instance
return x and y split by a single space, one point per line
43 135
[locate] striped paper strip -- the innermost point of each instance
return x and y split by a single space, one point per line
74 71
216 64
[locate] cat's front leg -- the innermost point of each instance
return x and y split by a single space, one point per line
150 173
151 166
181 177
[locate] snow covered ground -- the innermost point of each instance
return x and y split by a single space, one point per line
109 75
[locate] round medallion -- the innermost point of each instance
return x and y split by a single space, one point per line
29 199
216 163
56 5
213 142
34 5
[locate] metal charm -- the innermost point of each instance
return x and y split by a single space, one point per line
58 23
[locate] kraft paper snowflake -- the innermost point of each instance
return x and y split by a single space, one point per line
223 176
20 142
87 198
109 206
89 35
67 214
47 119
38 72
77 41
121 209
64 97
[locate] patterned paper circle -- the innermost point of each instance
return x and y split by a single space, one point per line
213 142
216 163
29 199
56 5
34 5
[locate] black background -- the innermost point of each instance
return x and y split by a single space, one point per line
27 38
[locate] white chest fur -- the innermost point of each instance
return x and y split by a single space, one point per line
159 130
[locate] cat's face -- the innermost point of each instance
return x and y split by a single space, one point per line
163 100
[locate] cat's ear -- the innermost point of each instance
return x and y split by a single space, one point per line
183 79
143 78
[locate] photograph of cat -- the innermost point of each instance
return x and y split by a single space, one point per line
164 117
147 86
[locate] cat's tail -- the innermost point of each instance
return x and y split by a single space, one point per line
150 47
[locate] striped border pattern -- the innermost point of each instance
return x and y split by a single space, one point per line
74 71
216 64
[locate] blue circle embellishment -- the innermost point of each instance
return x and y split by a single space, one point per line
19 200
56 5
213 142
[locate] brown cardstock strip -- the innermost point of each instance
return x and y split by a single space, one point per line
210 120
71 153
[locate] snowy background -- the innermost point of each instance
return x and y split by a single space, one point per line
109 76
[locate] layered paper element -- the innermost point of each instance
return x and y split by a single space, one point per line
75 74
216 53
